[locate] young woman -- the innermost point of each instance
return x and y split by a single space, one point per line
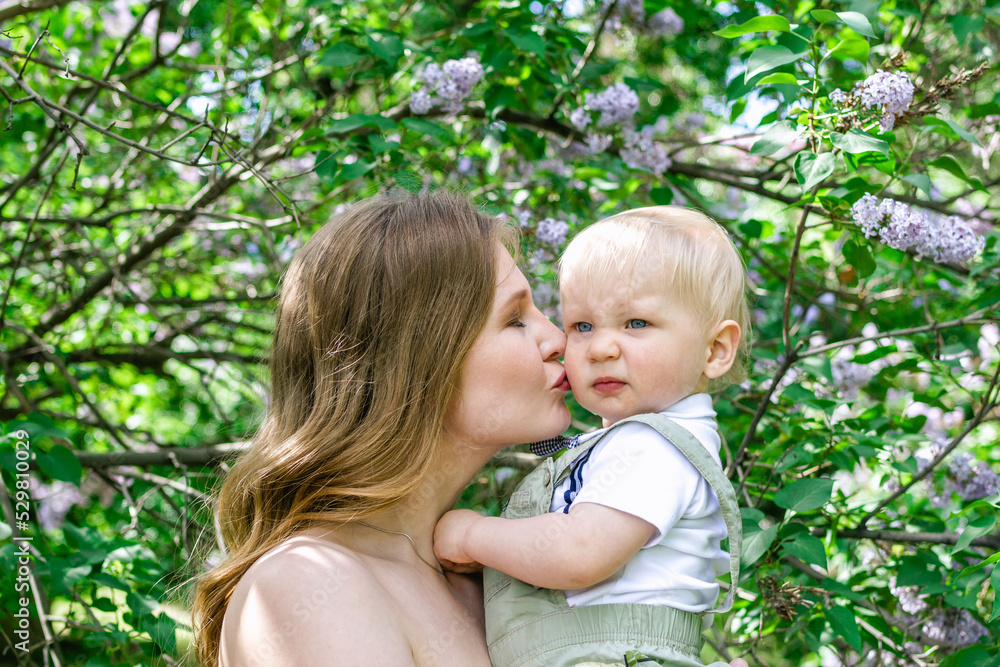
407 352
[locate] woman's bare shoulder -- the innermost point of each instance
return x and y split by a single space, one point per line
309 601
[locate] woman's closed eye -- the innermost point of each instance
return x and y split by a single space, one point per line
636 324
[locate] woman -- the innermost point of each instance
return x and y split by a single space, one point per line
407 352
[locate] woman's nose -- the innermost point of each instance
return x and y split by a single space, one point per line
552 343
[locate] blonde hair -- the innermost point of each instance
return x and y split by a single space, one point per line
682 251
377 313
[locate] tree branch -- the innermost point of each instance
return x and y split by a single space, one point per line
13 9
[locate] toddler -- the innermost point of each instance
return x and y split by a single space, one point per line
615 546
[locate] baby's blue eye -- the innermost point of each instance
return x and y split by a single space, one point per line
584 327
636 324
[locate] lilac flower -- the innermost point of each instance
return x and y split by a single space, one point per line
552 231
973 479
665 23
941 238
849 377
450 85
908 598
889 90
954 628
617 104
838 96
643 152
598 143
420 102
579 118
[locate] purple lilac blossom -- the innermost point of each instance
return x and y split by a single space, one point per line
889 90
420 102
665 23
973 479
598 143
838 96
941 238
450 85
954 627
579 118
552 231
642 152
617 104
908 598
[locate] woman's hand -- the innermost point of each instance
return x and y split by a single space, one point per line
449 541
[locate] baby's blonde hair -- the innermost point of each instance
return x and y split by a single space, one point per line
679 249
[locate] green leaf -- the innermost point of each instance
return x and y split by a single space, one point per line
920 181
756 544
326 167
858 22
805 494
913 571
341 55
356 169
38 426
408 181
352 122
528 41
777 137
843 623
807 548
995 583
661 196
5 531
141 605
973 656
756 24
940 123
422 126
60 463
390 48
964 25
856 141
852 47
477 29
860 257
840 589
976 528
824 15
811 170
779 77
380 145
163 630
767 58
972 568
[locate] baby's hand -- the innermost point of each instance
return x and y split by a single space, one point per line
449 541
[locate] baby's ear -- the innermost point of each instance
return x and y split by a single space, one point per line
724 343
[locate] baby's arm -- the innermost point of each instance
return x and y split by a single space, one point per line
553 550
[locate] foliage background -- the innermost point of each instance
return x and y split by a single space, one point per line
160 162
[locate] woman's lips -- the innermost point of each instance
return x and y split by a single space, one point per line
607 385
562 384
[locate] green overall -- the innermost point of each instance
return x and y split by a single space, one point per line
528 626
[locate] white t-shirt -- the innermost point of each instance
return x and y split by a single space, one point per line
638 471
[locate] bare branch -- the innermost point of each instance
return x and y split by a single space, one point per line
11 10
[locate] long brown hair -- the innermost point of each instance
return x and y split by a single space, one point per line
377 313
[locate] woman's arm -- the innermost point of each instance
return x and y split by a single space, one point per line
313 606
553 550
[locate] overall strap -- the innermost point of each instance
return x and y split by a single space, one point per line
703 462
